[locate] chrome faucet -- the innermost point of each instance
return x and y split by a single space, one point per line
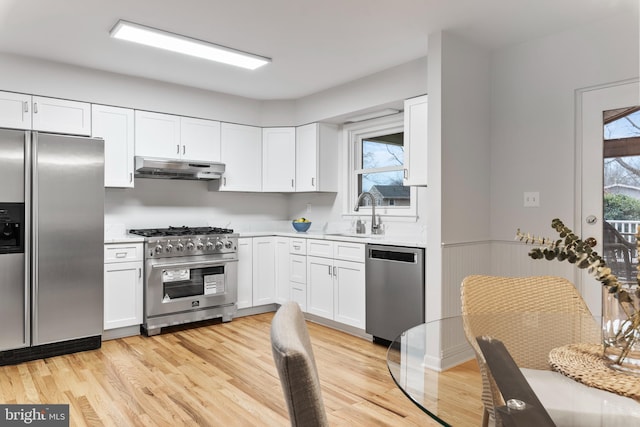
375 226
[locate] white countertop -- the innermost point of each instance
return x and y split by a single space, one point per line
343 237
123 239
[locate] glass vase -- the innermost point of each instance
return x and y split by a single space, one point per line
621 328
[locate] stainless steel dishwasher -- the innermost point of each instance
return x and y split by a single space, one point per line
394 290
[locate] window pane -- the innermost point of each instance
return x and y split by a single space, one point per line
386 187
625 127
383 151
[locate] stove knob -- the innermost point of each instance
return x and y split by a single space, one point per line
180 247
158 249
199 245
169 247
190 246
228 244
219 244
210 246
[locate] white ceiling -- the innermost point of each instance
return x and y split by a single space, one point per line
314 44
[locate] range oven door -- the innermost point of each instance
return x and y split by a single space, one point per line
189 283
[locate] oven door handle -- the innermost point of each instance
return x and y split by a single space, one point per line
195 264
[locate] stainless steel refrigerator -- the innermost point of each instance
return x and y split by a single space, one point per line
51 244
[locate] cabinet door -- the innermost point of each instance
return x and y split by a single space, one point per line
61 116
122 294
415 141
115 126
278 159
15 110
245 272
264 274
307 157
320 287
157 135
283 293
200 139
241 152
349 297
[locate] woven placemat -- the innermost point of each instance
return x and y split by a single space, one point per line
585 363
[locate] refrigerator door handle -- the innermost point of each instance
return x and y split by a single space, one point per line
33 228
28 269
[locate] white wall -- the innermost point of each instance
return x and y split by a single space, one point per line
458 194
533 117
28 75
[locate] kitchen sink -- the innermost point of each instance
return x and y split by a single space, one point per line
362 236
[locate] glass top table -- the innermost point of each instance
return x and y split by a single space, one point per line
452 396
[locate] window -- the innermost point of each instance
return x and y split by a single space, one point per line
376 154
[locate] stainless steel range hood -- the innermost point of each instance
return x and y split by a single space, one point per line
148 167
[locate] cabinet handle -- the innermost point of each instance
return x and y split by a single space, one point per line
296 247
130 176
313 182
224 181
329 270
292 183
35 108
177 148
406 173
184 149
335 271
121 254
26 106
139 273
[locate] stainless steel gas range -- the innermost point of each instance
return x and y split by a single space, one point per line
191 274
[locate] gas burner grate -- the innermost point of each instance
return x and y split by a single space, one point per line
179 231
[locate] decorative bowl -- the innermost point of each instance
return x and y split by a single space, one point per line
301 226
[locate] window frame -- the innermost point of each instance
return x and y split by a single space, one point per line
354 133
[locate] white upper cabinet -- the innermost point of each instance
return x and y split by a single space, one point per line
317 157
174 137
61 116
241 152
22 111
15 110
115 125
157 135
200 139
415 141
278 159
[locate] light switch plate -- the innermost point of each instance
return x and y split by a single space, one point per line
531 199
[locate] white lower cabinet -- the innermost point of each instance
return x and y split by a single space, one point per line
283 288
245 272
256 271
123 285
336 287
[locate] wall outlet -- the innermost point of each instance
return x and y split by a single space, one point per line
531 199
308 208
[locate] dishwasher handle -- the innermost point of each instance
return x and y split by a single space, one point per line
391 255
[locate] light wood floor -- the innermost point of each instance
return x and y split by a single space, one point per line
220 375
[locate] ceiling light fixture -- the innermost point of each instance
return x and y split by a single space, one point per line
371 115
149 36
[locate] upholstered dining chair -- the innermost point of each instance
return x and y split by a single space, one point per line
539 294
296 366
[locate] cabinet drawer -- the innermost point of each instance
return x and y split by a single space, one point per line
298 246
299 295
321 248
349 251
298 269
122 252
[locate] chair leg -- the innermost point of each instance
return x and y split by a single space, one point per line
485 418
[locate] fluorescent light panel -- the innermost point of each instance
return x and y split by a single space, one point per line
149 36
